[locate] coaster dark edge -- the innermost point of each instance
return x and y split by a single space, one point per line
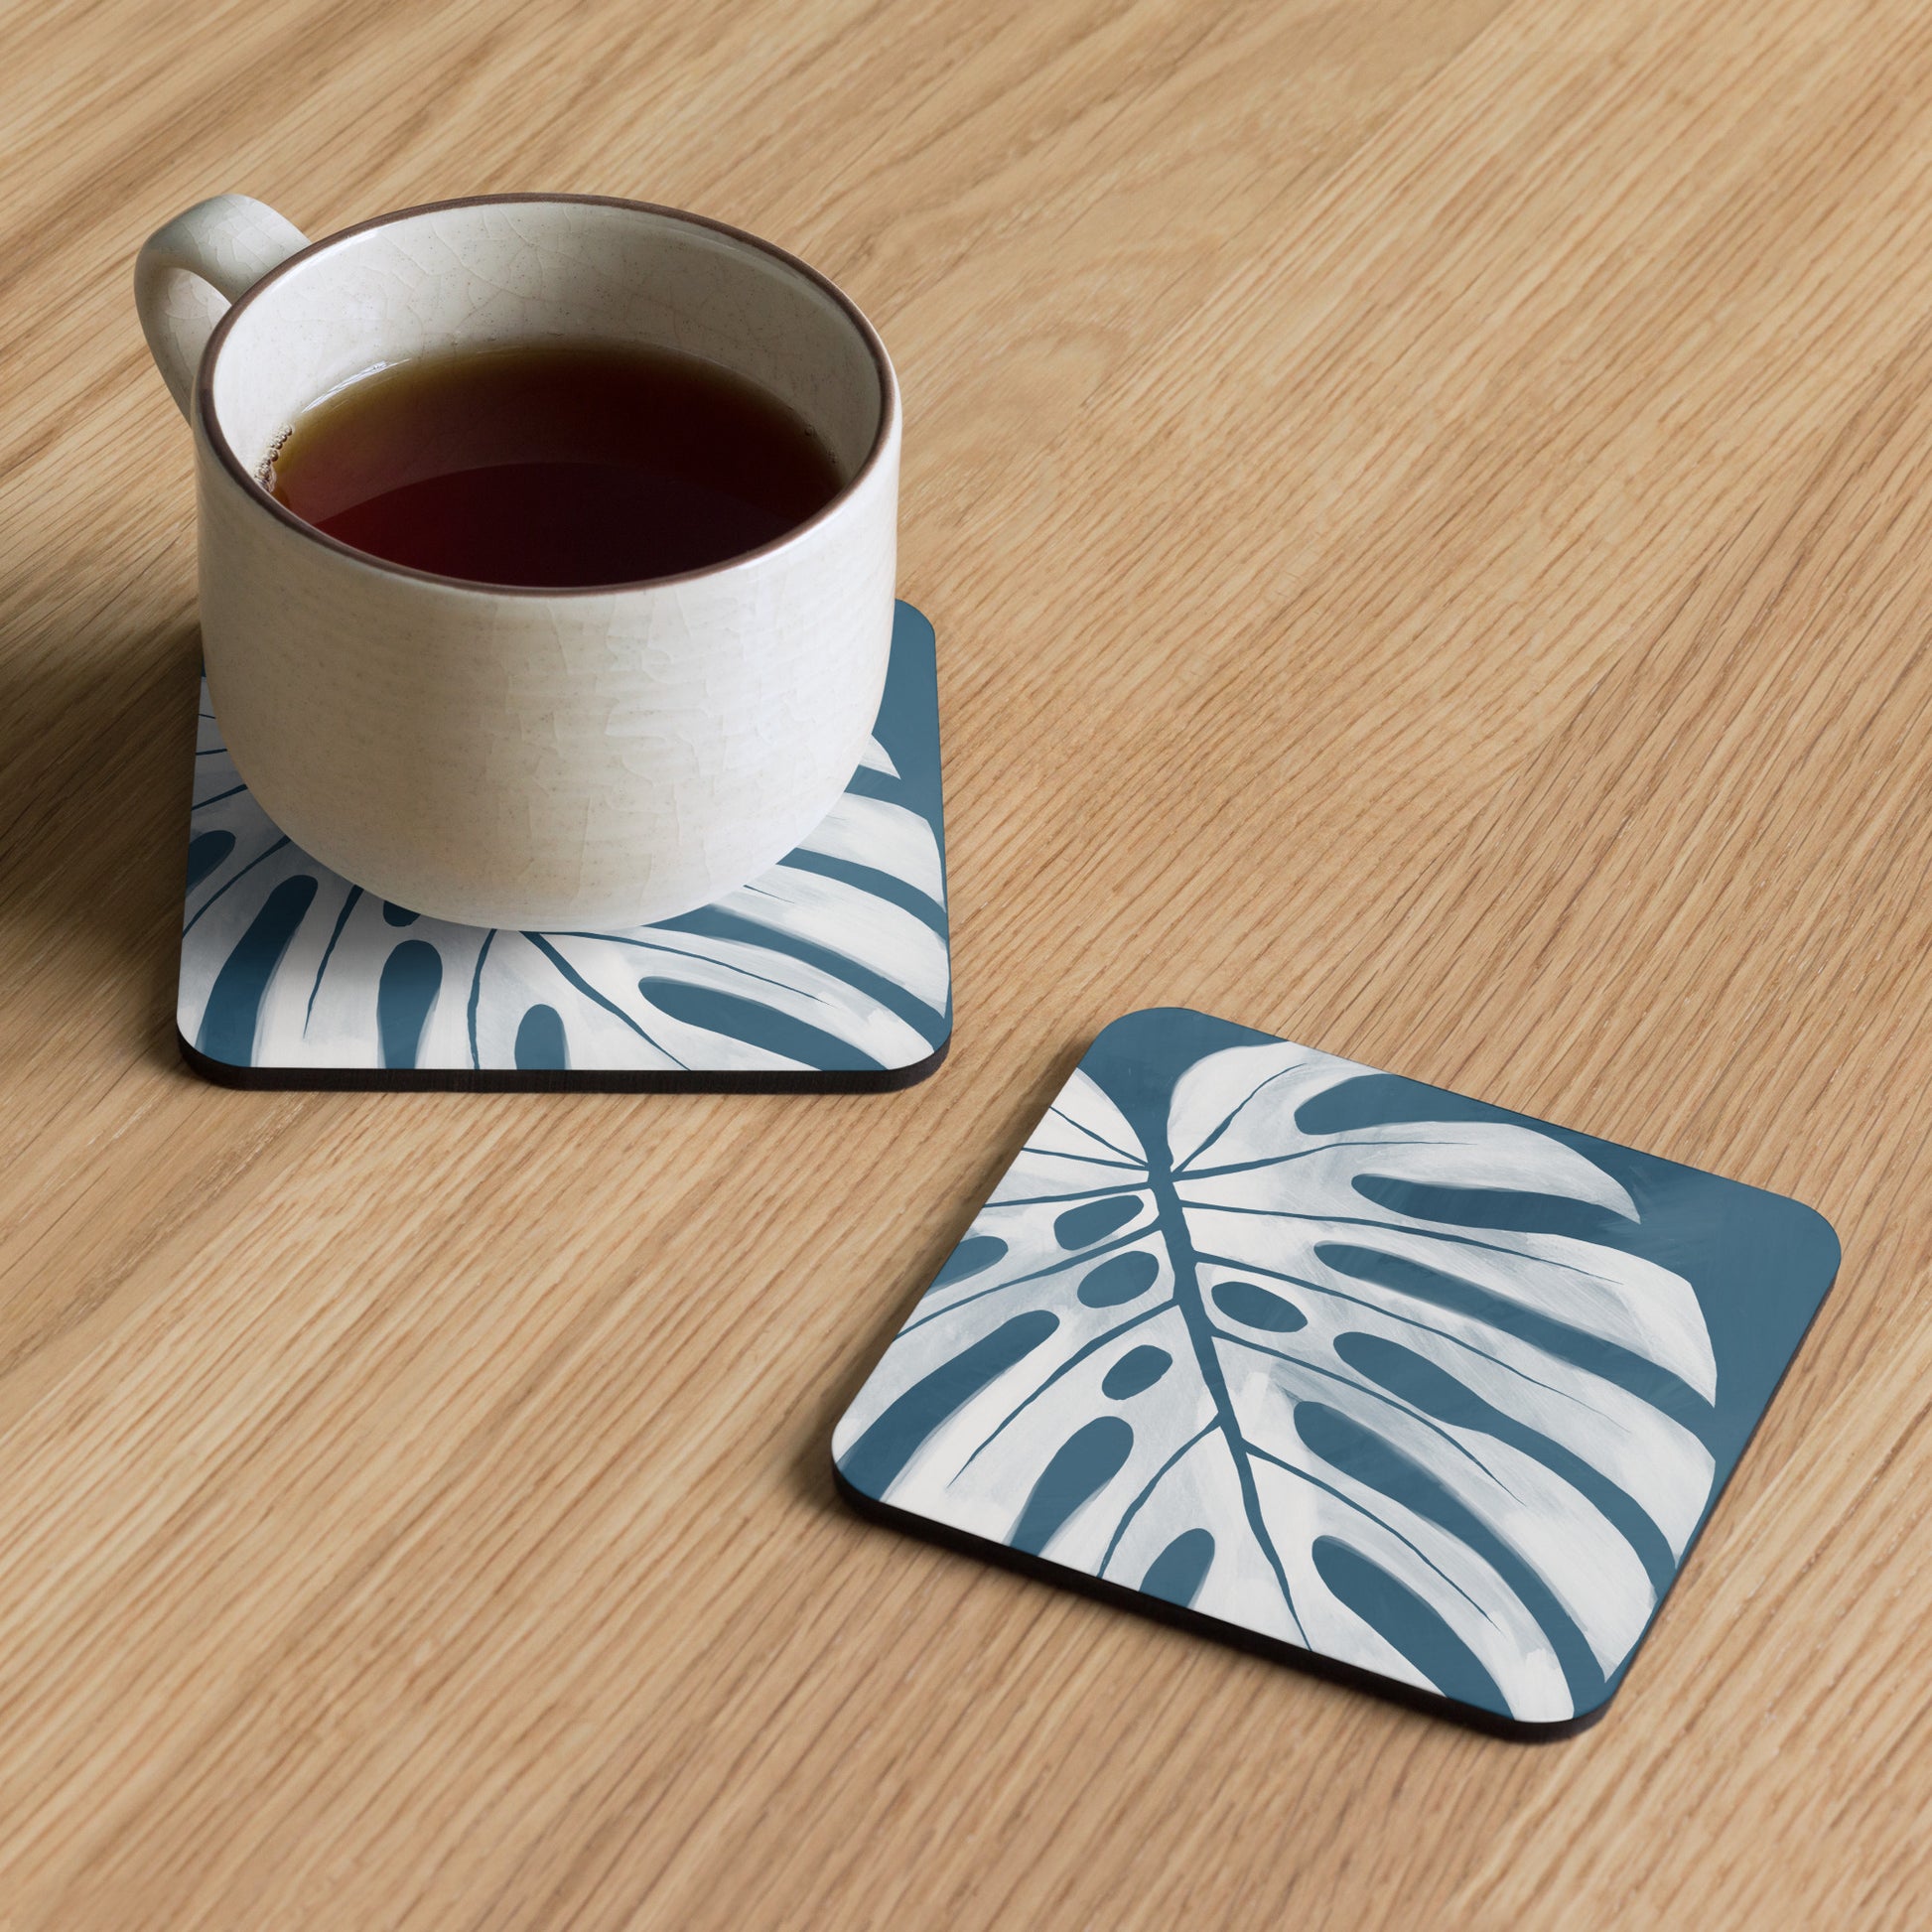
376 1079
1120 1596
1431 1703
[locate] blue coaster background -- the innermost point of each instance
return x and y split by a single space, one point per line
831 972
1383 1381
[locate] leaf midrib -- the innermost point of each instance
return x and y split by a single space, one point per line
1201 1335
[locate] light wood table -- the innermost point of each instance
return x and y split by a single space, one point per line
1428 508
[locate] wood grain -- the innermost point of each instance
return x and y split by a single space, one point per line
1428 508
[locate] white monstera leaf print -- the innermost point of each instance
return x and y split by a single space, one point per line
1278 1376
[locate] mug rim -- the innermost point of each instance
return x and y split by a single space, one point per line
210 424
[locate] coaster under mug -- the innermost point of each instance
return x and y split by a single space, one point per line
831 972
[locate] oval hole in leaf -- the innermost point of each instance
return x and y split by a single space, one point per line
1081 1228
412 975
1119 1279
1382 1099
1345 1445
1082 1467
1422 1385
540 1043
895 1433
973 1256
1177 1573
205 851
1418 1381
1657 1386
751 1019
228 1029
1255 1307
1401 1618
1494 1208
398 915
1138 1369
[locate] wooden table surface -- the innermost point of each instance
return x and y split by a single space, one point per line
1427 509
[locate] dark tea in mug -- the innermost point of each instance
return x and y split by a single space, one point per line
553 465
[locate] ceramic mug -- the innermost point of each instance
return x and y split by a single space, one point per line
501 756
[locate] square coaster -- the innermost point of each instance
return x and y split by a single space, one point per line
1388 1383
831 972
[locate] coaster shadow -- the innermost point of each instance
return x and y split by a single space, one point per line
96 778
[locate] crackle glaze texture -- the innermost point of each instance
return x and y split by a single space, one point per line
509 758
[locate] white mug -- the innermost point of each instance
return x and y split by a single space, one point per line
500 755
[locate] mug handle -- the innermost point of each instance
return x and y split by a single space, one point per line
189 272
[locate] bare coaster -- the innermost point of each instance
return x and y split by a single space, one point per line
1379 1380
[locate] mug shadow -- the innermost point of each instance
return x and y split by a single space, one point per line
96 772
811 1465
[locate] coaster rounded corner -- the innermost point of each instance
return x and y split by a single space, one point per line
218 1072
